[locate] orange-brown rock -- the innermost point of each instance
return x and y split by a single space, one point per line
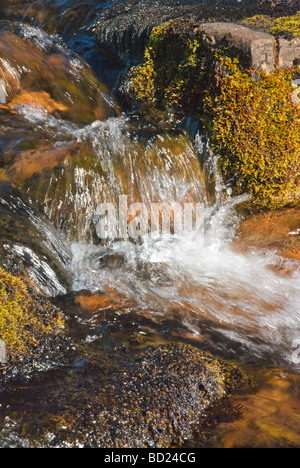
277 230
33 162
38 99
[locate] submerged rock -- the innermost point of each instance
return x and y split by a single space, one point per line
277 231
157 398
39 71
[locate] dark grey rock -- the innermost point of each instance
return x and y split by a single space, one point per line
125 26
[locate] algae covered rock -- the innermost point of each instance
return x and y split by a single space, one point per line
176 70
256 130
250 114
158 398
288 26
23 321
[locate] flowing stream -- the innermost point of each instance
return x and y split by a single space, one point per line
66 147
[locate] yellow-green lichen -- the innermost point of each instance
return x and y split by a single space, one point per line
284 26
174 68
22 324
256 131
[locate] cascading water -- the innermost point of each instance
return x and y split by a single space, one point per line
203 284
238 295
66 149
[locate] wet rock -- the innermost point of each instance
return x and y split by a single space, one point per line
125 26
69 181
157 398
53 16
161 398
40 71
270 414
42 347
29 246
277 231
38 99
24 318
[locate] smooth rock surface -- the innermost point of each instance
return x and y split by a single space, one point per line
289 52
2 352
253 48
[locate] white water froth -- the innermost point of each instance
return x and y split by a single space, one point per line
39 271
236 295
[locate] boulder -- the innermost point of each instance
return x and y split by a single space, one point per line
159 398
125 27
289 52
253 48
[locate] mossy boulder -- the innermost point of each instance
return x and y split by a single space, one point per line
288 26
177 68
160 397
286 30
256 128
125 27
23 322
249 114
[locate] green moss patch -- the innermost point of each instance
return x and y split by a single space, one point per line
284 26
249 115
23 322
177 62
256 131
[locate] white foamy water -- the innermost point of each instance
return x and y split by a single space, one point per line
205 283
